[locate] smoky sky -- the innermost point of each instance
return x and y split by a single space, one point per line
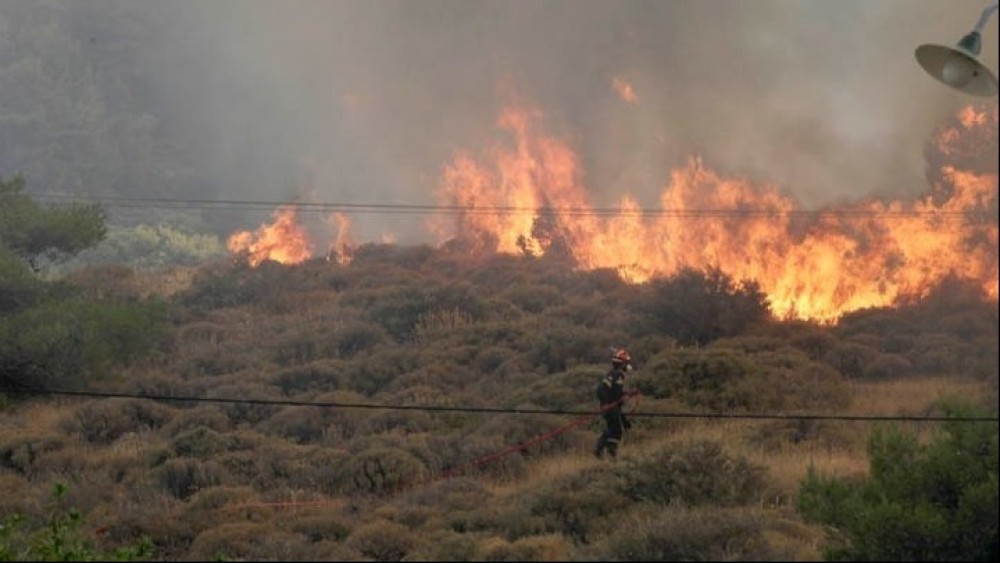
367 101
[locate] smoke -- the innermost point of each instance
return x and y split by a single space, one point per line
366 101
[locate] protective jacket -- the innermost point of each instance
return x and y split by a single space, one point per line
611 391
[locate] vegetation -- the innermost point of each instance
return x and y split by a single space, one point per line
51 334
61 539
424 327
920 502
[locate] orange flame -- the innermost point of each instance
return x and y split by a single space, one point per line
283 241
528 198
624 89
342 249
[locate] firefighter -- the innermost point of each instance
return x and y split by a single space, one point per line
611 396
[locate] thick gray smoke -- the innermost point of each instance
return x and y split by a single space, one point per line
365 101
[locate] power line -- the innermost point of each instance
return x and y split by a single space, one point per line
440 209
496 410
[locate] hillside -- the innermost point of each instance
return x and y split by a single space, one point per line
248 467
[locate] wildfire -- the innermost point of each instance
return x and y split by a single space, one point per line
343 246
283 241
527 197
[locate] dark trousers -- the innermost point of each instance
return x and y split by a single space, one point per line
612 434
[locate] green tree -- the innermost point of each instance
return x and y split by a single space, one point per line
933 502
49 334
33 232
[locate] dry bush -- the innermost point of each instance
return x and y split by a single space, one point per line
156 516
184 477
11 504
478 452
249 541
212 499
439 323
300 424
375 373
887 366
723 377
696 473
851 358
204 416
104 421
342 424
446 545
533 298
557 348
275 464
780 434
572 389
383 470
245 412
204 336
548 547
327 526
200 442
527 430
21 453
383 540
321 470
577 506
227 360
321 375
696 534
106 282
451 495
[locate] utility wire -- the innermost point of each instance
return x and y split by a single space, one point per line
492 410
425 209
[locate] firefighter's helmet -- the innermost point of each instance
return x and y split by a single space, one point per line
620 355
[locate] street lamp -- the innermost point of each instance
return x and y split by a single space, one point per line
958 66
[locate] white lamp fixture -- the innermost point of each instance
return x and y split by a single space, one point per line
958 66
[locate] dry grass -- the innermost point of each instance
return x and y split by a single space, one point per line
787 464
913 396
34 420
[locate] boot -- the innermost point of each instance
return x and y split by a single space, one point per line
599 450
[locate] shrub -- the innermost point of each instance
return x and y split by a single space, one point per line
62 343
104 421
21 454
698 473
578 506
383 470
383 540
694 534
199 442
323 375
886 366
328 526
205 416
61 539
301 424
549 547
247 541
920 502
184 477
697 307
704 378
850 358
533 298
245 412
